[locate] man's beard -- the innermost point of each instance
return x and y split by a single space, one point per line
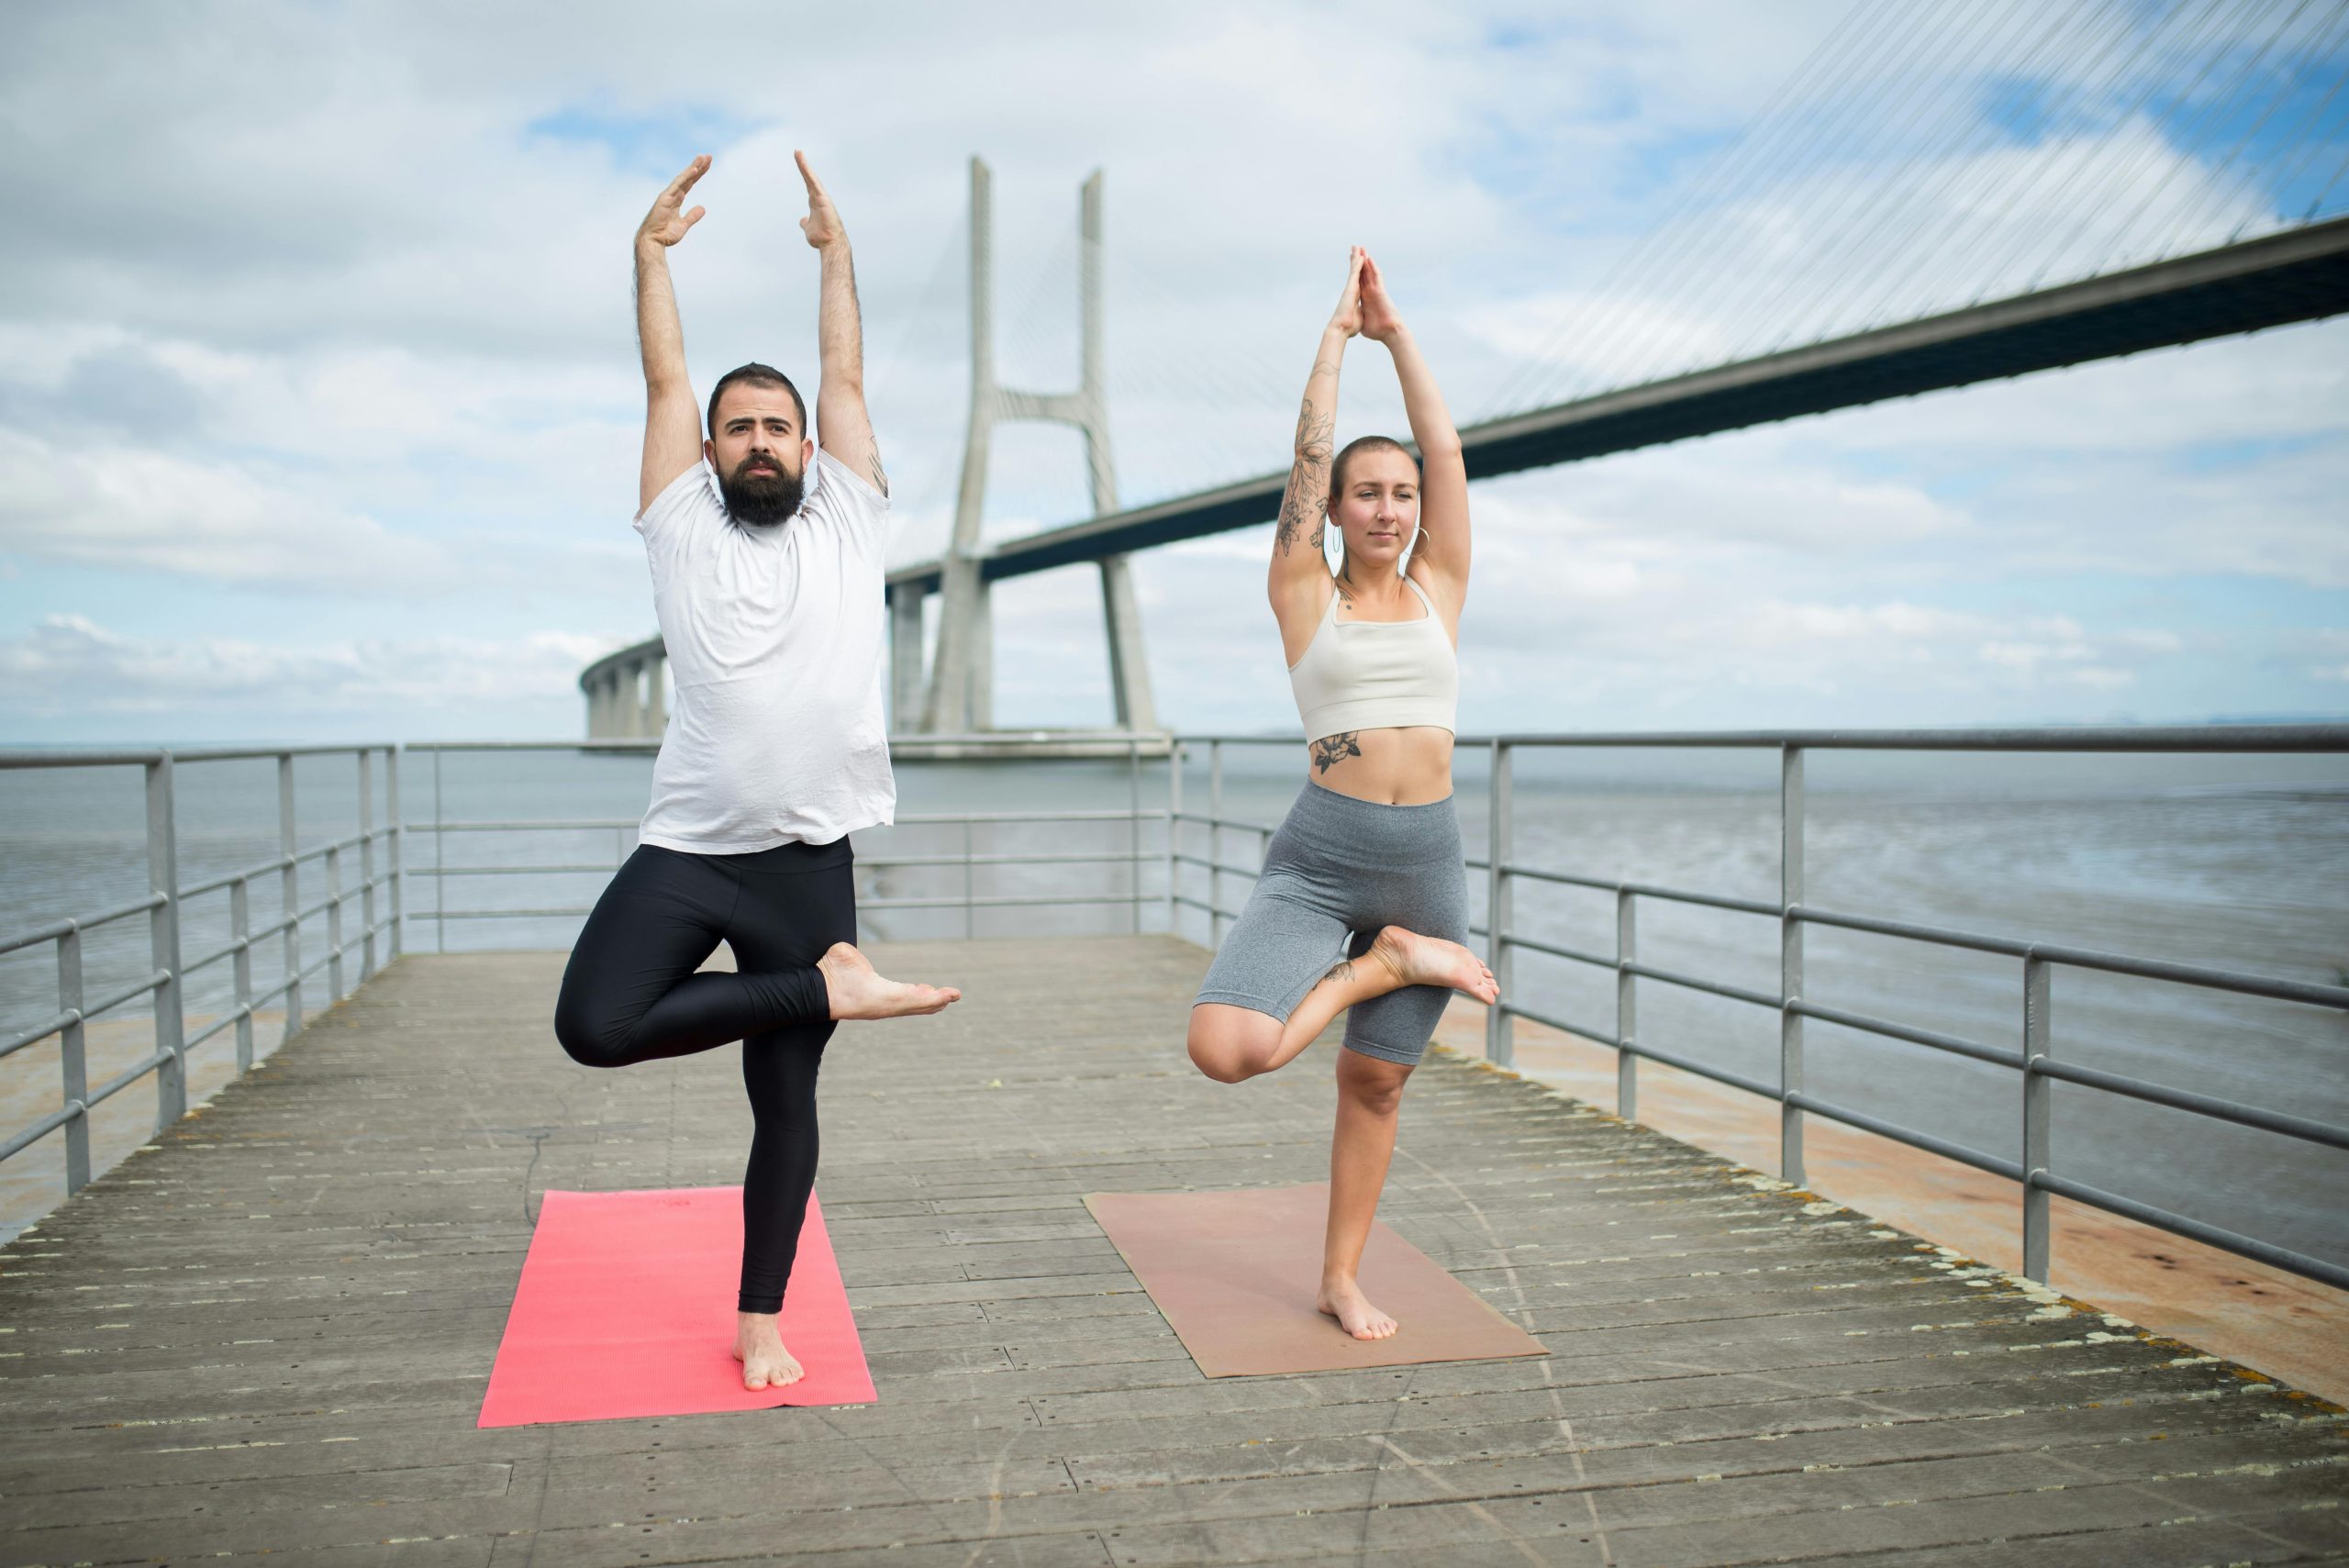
760 500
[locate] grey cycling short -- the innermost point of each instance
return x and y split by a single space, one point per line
1337 871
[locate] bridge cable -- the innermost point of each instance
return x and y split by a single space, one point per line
2318 44
1842 41
2103 68
2052 181
1713 294
2321 46
2314 146
1890 82
2173 140
1856 242
2184 157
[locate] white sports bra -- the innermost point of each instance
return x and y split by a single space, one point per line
1377 675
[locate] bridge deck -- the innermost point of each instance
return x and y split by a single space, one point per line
272 1330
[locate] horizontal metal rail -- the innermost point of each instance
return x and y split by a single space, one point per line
1899 1134
116 998
57 928
2209 1235
1933 1038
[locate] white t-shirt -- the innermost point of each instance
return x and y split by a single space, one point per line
774 639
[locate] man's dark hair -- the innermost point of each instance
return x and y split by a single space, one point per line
1363 444
758 374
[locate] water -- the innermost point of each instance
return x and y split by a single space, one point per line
2235 863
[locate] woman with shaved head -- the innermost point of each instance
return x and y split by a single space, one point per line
1362 905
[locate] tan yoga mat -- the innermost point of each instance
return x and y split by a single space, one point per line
1235 1273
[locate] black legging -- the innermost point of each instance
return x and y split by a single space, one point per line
630 995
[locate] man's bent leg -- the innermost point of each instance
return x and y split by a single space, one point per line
630 993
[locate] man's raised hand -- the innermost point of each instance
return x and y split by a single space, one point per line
822 223
667 222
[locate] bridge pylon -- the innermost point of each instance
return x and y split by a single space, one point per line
960 698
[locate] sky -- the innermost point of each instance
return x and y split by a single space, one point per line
319 409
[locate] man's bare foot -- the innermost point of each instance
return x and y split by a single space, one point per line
855 991
1343 1300
758 1345
1431 960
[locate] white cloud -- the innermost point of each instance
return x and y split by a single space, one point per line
149 511
69 664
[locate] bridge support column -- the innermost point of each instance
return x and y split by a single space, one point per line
962 684
624 697
1121 619
908 690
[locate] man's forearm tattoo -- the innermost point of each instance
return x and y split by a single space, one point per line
1331 750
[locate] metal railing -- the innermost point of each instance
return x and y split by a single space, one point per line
2037 1062
165 905
968 899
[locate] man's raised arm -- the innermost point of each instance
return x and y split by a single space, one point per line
842 427
671 417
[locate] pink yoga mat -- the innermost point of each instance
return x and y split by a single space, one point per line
626 1307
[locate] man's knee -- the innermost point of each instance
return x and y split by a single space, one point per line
590 1035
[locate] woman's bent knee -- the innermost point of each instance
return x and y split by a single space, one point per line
1231 1044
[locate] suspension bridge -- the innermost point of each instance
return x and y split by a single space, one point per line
2012 189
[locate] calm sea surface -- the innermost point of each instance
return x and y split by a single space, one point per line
2240 862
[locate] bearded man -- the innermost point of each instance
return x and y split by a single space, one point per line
766 550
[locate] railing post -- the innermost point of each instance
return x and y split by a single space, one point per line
1214 846
240 931
1173 830
164 945
366 867
76 1064
1791 1167
966 879
1500 1042
334 924
439 877
1133 827
2037 1088
399 848
1627 1021
289 885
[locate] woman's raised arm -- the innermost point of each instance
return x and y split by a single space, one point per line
1443 545
1297 582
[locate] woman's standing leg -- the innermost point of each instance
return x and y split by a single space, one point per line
1425 889
797 903
1370 1100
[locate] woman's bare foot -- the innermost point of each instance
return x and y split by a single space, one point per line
758 1345
1343 1300
1431 960
857 991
